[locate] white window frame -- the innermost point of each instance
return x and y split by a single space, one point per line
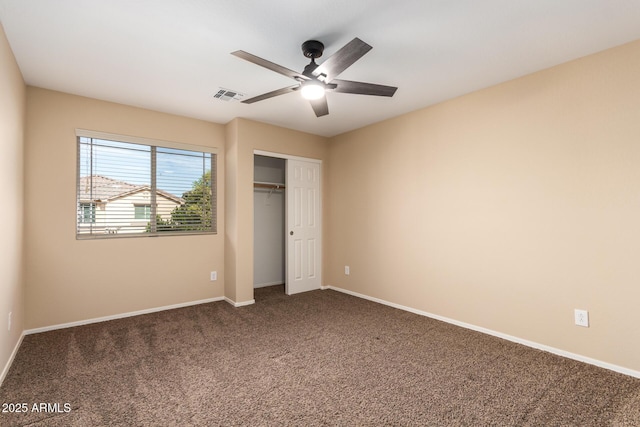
152 143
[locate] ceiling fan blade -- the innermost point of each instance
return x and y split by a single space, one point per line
342 59
271 94
320 106
360 88
269 65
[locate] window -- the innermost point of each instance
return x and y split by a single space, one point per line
87 213
142 211
133 187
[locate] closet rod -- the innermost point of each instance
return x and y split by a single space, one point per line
268 185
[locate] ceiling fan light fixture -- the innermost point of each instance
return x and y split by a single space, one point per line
312 90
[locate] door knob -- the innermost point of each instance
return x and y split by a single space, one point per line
291 233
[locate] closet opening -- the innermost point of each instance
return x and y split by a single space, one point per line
287 228
269 210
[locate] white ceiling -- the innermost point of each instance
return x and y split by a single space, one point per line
173 56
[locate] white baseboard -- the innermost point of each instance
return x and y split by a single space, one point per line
511 338
5 370
239 304
120 316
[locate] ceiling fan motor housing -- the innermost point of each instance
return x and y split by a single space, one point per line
312 49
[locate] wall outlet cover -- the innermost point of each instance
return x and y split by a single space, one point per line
581 317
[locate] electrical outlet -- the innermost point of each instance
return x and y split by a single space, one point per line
214 276
582 317
9 321
346 270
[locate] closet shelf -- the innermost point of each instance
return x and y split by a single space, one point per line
270 185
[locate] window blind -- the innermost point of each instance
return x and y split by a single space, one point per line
134 189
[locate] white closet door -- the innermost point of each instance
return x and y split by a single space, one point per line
304 230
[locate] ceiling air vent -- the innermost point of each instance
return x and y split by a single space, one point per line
228 95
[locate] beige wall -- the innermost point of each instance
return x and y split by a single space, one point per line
231 211
71 280
506 209
245 136
12 117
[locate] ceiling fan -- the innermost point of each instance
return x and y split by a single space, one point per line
316 79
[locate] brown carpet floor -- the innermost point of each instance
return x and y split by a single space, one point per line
318 358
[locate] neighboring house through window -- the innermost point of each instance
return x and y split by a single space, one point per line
127 187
